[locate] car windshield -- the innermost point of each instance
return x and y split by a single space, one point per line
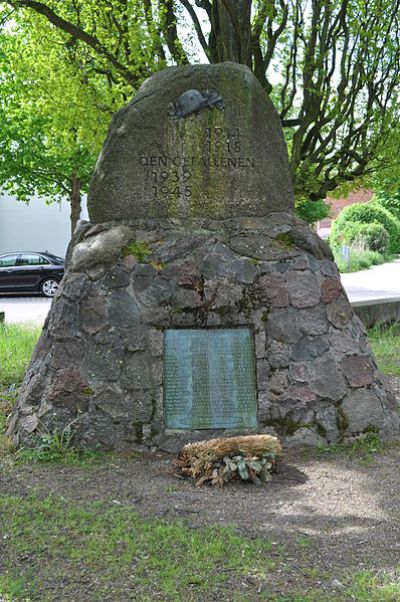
55 258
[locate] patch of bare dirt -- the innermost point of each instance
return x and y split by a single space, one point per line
338 512
326 515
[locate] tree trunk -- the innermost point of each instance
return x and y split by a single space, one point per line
75 198
230 36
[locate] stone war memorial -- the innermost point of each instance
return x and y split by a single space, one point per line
194 303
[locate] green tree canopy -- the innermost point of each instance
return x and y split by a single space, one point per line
52 123
332 67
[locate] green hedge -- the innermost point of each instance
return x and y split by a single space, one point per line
365 213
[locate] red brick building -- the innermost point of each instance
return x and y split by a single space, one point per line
361 196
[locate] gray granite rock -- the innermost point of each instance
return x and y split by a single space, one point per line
206 163
304 437
363 411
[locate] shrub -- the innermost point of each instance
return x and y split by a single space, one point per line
366 213
359 259
373 237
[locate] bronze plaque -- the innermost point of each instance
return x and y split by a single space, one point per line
209 379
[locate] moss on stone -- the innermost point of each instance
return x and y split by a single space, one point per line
138 249
87 391
288 425
285 240
265 315
343 422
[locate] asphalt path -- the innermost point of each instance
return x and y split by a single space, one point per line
24 309
379 282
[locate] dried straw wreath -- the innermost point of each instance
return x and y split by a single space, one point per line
218 461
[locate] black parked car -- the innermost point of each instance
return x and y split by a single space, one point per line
31 271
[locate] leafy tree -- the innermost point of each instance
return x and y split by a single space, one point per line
391 202
50 131
332 67
311 212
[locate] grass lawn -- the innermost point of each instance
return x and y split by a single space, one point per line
385 342
16 345
110 551
59 549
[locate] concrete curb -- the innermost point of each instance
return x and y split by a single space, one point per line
372 311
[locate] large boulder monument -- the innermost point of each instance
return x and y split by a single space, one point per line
194 303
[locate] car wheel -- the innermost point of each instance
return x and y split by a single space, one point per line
49 287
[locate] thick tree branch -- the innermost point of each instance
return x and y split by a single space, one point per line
171 35
197 27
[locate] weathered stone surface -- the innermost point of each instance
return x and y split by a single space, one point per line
328 268
299 372
327 421
363 410
282 325
103 362
99 362
339 311
123 309
309 241
222 295
105 248
263 374
303 288
326 380
278 382
359 370
301 392
76 287
279 354
94 314
117 278
243 271
70 352
259 344
156 340
29 423
344 342
203 164
309 348
304 437
63 321
135 372
330 289
272 289
71 389
264 407
312 320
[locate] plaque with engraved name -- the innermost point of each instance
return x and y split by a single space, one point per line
209 379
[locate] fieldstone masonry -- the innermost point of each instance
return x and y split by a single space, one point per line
236 260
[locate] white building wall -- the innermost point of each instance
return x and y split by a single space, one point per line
34 227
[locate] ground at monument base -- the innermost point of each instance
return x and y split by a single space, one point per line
325 529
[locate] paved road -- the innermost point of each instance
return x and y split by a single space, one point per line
25 309
379 282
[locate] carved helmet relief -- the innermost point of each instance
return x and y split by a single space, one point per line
193 101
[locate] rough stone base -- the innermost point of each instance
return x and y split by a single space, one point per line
98 366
